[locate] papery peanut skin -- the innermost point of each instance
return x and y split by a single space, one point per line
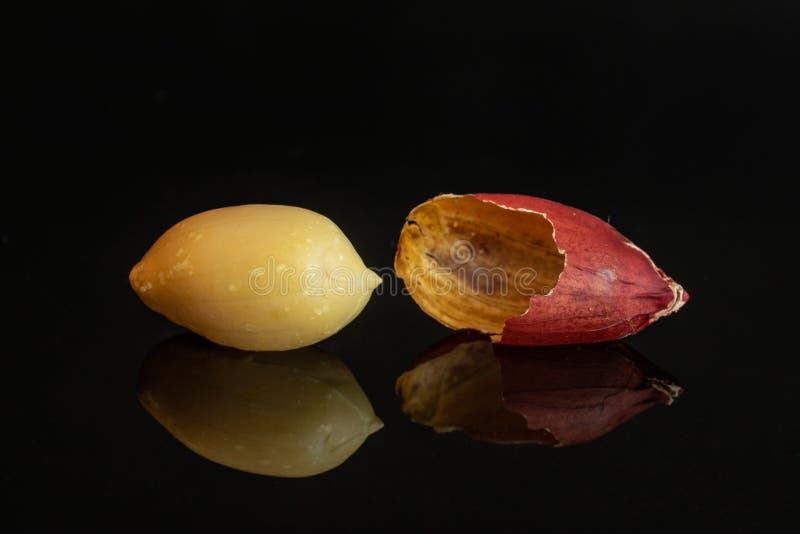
609 288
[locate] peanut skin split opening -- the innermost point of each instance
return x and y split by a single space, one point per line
474 264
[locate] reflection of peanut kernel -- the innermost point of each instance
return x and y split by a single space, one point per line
278 417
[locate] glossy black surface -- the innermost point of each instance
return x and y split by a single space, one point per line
671 122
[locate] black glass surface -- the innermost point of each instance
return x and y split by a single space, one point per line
672 124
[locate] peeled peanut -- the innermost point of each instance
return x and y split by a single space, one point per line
286 414
255 277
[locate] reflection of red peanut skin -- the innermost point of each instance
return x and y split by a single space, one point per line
608 290
579 393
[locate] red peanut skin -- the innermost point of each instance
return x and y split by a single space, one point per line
609 289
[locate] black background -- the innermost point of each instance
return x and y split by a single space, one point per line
673 119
